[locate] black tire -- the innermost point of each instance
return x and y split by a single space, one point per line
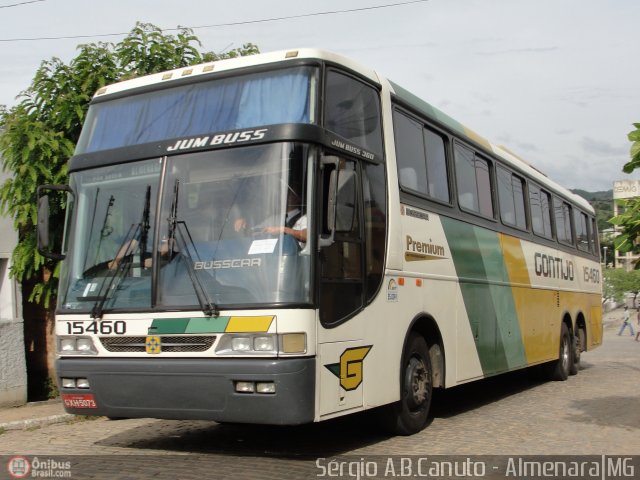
578 343
560 368
411 413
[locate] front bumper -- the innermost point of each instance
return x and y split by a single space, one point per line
194 389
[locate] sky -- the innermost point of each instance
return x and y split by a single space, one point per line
555 81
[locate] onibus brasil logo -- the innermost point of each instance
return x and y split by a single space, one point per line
21 467
349 370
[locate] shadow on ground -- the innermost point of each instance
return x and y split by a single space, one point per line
325 439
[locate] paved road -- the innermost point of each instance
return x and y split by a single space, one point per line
596 412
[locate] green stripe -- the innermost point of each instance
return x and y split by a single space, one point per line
207 325
491 309
177 326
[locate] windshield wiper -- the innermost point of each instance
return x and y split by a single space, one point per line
135 237
116 273
208 307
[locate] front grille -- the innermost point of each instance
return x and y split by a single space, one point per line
183 344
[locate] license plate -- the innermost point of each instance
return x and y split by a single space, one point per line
86 400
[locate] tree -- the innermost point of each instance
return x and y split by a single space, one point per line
39 134
618 282
629 219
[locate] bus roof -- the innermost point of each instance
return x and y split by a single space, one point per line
406 96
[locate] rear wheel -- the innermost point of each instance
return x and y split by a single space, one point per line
561 367
578 343
410 414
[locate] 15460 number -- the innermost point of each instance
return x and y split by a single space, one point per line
105 327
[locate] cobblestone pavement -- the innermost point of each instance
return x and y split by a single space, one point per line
593 413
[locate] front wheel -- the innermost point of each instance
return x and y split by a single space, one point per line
410 414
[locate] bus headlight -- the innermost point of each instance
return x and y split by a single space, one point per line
248 344
262 344
241 344
76 346
67 344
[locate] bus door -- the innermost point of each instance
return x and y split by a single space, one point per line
341 287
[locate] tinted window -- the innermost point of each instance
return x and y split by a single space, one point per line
582 231
593 239
436 166
352 110
246 101
410 153
511 196
473 178
562 215
422 162
466 179
375 223
539 203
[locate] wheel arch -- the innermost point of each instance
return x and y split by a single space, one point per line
567 320
426 326
581 324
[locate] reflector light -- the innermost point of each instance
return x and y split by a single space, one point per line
245 387
68 383
82 383
266 387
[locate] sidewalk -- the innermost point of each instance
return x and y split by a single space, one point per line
33 415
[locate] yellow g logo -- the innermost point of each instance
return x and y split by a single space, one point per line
349 370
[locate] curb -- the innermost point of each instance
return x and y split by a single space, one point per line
36 422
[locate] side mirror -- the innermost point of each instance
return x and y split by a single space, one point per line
43 232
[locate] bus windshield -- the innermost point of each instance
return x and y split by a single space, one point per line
229 228
245 101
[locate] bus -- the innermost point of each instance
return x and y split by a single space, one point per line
289 237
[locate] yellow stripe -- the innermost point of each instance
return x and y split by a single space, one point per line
249 324
514 260
477 138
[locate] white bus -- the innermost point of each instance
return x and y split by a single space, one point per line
289 237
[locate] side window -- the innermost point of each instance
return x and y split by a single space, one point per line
582 230
473 178
437 172
511 197
352 110
375 225
562 216
422 162
410 153
540 203
593 238
341 262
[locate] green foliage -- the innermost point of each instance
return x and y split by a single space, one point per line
51 388
634 136
39 134
629 220
617 282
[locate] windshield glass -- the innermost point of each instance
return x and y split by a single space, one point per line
232 231
239 229
111 237
266 98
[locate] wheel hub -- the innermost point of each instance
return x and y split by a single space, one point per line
418 383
